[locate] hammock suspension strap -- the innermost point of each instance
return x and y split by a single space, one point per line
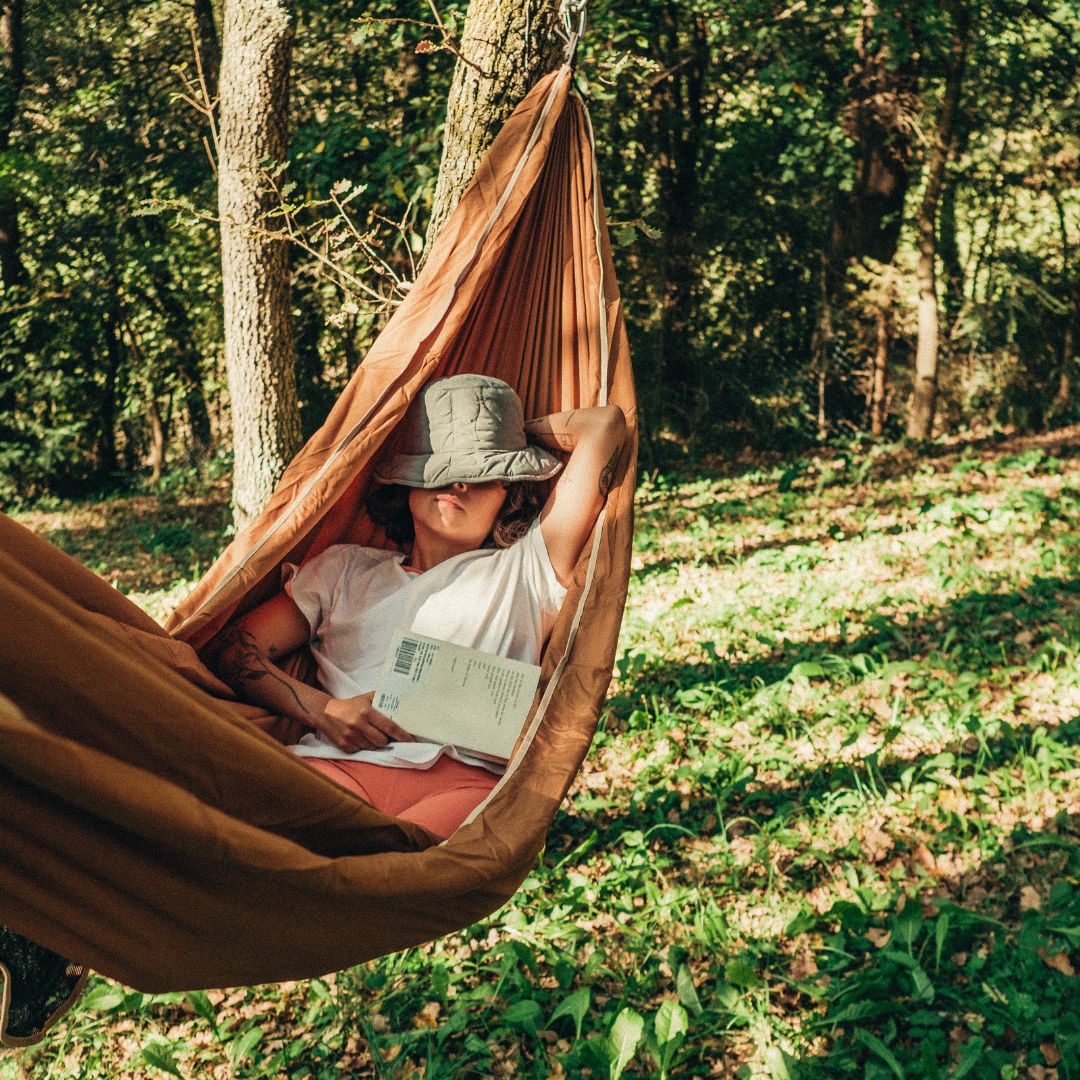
572 19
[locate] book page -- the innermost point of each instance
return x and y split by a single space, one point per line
446 693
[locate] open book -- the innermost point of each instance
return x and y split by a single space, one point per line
446 693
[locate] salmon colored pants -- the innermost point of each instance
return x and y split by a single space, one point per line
439 798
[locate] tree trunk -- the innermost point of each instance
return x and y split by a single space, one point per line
12 76
259 356
680 120
868 219
920 421
158 437
107 463
879 380
508 46
1063 396
948 248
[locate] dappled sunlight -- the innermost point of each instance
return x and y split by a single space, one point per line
837 778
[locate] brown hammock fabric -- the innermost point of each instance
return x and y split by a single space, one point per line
155 830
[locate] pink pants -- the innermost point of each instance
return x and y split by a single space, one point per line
439 798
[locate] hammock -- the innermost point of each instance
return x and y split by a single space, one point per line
157 831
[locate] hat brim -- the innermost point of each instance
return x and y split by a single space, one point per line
474 467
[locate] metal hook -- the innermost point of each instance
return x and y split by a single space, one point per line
572 15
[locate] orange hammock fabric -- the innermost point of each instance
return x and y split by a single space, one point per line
152 828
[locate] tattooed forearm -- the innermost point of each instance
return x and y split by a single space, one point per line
241 663
607 473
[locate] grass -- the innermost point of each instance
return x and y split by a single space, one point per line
830 826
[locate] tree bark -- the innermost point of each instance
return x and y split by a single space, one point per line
259 357
920 421
12 77
868 219
879 380
1063 395
508 45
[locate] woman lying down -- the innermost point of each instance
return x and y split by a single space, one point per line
485 564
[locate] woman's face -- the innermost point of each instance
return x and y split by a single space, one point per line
460 514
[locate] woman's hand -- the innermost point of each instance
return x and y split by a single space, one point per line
353 724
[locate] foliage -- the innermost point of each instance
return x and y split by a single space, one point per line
725 148
829 827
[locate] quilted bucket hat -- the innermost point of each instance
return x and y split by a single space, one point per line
468 429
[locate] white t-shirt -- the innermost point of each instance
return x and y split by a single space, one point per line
500 600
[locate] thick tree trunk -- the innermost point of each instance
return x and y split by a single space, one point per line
12 76
259 354
920 421
508 46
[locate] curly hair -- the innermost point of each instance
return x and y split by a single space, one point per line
388 506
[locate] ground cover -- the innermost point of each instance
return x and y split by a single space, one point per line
830 826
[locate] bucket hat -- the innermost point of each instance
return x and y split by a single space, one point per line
465 429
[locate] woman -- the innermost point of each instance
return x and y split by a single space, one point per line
474 571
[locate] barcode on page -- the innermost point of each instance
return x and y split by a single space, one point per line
406 653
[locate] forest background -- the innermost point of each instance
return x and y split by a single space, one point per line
829 826
808 201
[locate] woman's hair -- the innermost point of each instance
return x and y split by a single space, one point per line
388 505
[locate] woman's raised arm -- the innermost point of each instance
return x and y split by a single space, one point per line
594 439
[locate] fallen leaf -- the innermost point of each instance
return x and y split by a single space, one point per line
878 936
1029 898
925 858
1058 961
1050 1051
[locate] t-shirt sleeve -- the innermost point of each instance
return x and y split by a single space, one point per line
316 586
538 571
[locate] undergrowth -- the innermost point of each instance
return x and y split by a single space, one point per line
830 825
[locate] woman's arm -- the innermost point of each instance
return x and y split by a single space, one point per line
246 660
594 439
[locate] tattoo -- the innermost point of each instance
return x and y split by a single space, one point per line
567 442
241 662
607 473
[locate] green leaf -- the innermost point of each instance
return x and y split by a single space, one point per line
1070 933
688 995
807 669
576 1005
740 973
525 1014
242 1046
671 1021
941 931
873 1043
158 1054
623 1040
103 998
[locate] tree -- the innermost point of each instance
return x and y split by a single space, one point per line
868 218
920 420
506 46
12 76
259 357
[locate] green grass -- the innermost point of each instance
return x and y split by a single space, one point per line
830 826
